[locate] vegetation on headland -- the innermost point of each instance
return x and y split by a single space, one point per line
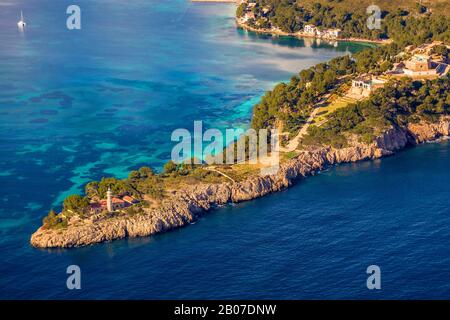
405 22
290 104
54 221
144 184
395 105
293 102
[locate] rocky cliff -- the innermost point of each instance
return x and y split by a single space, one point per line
185 206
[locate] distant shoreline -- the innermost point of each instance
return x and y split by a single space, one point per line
303 35
292 34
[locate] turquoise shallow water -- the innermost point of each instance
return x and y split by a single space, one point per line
79 105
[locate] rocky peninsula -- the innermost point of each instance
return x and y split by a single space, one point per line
352 108
186 206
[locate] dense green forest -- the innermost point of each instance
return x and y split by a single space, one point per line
411 24
396 104
291 103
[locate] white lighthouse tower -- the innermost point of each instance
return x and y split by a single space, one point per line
109 201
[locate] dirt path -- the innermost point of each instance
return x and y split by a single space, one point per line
221 173
292 145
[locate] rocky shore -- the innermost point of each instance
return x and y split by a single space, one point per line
186 206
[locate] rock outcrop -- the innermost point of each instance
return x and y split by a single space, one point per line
185 206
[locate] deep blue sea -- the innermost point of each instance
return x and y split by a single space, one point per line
103 100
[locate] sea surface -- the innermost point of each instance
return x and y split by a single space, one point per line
79 105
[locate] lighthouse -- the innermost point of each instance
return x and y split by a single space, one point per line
109 201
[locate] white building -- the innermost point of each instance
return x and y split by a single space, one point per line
363 86
310 29
333 33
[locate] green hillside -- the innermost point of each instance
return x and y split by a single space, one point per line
404 21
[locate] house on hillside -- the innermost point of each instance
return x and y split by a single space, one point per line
418 63
310 29
421 66
112 203
250 15
364 85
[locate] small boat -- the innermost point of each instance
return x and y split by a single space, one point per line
21 24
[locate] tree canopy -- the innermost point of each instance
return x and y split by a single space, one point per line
405 23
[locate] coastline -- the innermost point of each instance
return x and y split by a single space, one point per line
303 35
187 206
